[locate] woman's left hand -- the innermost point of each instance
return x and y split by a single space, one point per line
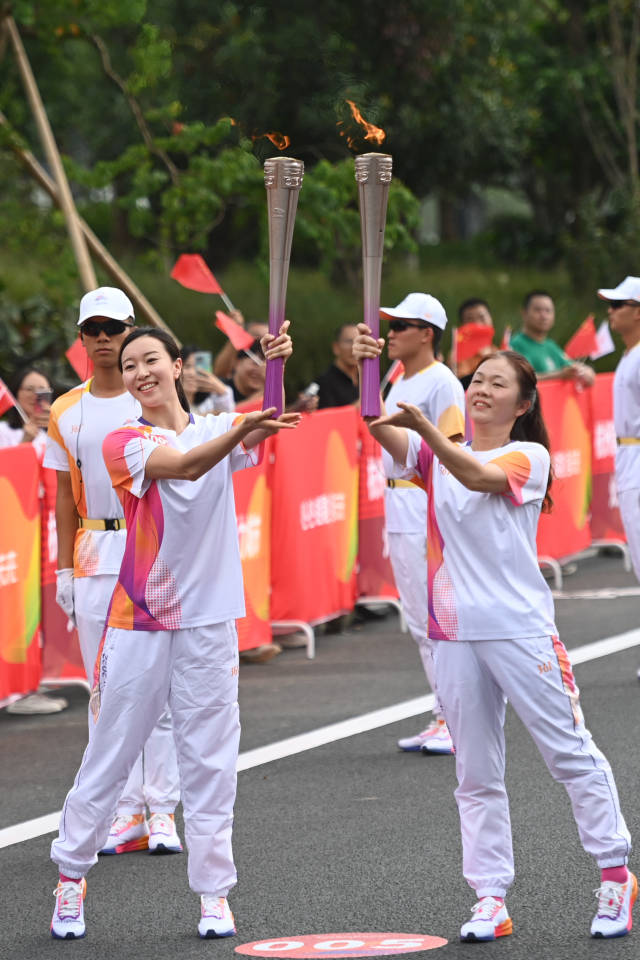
280 346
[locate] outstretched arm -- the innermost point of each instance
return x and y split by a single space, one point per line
394 439
165 463
485 478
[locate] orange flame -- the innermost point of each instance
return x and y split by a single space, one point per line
373 133
279 140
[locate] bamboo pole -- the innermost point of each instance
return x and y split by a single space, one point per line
83 260
100 252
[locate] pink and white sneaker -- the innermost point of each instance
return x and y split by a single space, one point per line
67 922
129 832
216 918
435 739
615 903
163 836
489 920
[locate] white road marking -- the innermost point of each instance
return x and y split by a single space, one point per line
40 826
606 593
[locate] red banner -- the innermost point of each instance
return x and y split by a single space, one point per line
567 413
253 509
19 571
315 518
606 522
375 576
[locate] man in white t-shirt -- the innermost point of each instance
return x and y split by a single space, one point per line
415 331
623 307
91 541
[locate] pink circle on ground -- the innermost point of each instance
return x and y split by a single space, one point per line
326 945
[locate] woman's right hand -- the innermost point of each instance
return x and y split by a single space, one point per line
30 430
364 345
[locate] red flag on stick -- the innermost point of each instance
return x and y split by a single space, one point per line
192 272
470 339
394 373
237 334
7 399
584 342
79 359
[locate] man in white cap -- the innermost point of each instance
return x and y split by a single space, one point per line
623 308
91 542
415 332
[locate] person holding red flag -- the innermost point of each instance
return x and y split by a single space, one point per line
472 340
533 342
91 539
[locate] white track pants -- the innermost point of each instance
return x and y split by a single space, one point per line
629 502
408 554
535 675
154 778
196 672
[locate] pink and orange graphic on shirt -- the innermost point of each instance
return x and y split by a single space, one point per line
443 620
517 467
146 595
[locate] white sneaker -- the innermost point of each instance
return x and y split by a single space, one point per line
438 739
216 918
129 832
67 922
488 921
435 739
35 704
615 902
163 836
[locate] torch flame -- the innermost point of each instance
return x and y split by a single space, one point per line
372 133
279 140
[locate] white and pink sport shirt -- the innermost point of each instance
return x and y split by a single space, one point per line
484 579
181 565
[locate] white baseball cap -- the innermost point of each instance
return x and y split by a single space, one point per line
629 289
106 302
419 306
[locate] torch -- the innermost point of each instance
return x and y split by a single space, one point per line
373 176
283 180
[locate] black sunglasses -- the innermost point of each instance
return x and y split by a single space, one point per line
619 304
112 328
398 325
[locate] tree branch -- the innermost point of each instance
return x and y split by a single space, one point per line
136 110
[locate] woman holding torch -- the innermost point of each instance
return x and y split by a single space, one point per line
170 634
491 615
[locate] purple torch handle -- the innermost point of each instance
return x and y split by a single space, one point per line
373 176
283 180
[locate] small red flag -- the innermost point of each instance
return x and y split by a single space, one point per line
584 342
7 399
238 336
192 272
470 339
79 359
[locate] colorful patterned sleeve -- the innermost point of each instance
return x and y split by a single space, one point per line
125 453
527 473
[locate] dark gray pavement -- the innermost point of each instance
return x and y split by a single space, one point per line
349 836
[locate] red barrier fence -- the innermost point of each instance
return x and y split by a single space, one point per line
310 524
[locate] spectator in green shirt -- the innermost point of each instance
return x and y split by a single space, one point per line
545 356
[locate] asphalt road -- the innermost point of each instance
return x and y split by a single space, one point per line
350 836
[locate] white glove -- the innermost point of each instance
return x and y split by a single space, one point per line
64 592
